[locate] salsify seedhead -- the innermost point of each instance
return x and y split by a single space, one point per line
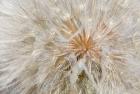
69 47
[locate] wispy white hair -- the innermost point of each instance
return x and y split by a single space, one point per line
69 47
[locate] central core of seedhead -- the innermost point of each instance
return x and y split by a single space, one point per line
83 44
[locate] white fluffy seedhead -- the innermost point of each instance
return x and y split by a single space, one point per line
69 47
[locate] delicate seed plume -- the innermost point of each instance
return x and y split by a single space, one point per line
69 47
